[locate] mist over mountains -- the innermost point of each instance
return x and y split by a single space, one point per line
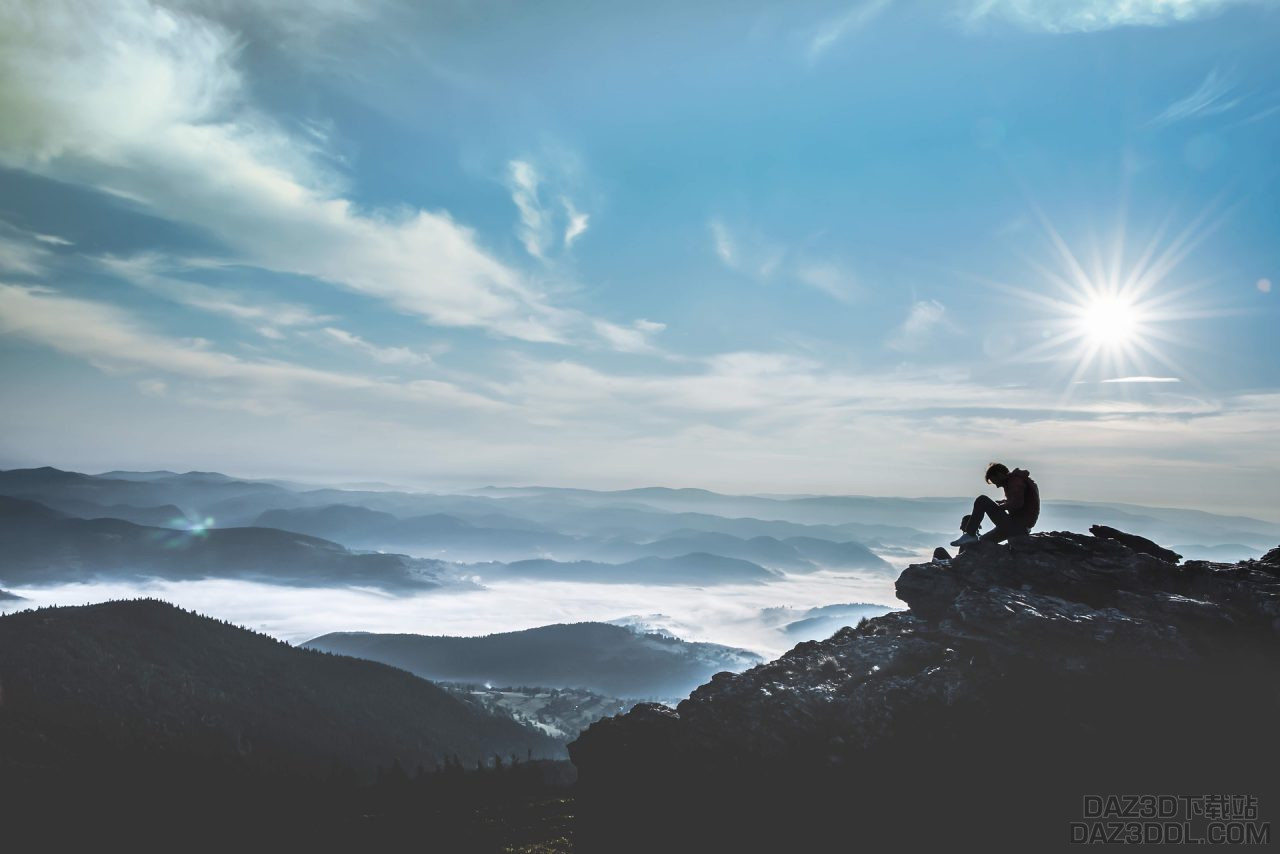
571 604
598 554
505 524
44 546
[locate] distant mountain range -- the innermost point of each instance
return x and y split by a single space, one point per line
696 569
146 677
449 537
42 546
600 657
542 532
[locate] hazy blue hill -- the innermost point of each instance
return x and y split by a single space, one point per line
822 622
41 546
1163 524
599 657
568 523
6 596
22 508
147 677
794 554
332 521
118 474
194 492
161 516
899 520
765 551
1228 552
690 569
838 555
433 534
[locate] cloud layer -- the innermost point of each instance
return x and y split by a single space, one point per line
147 101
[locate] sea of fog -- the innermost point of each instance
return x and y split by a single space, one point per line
750 616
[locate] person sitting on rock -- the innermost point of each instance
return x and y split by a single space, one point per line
1014 514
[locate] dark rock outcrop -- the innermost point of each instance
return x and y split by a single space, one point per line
1022 678
1133 541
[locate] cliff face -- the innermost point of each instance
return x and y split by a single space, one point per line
1021 678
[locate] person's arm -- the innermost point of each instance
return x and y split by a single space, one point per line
1014 494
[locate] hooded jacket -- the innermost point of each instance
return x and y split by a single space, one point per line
1022 497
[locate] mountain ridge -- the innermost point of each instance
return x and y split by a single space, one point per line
1024 675
600 657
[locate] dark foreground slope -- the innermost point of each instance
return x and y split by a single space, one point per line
597 656
1022 679
137 712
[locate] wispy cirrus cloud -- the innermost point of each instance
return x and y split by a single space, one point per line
1065 16
576 224
756 255
759 257
543 227
836 29
114 340
401 356
1143 380
1214 95
923 320
157 274
636 338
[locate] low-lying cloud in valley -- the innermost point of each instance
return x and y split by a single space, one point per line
726 614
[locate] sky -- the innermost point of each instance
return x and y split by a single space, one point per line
855 248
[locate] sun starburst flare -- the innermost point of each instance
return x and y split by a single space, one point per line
1112 319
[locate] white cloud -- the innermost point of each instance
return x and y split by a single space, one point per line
1143 380
1210 98
21 257
830 278
577 222
1090 15
533 228
148 271
630 339
153 387
148 101
723 243
834 30
922 321
385 355
754 254
52 239
746 421
541 227
114 341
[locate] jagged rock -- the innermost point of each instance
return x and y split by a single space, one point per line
1133 541
1026 675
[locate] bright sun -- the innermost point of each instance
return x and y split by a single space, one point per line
1104 318
1107 321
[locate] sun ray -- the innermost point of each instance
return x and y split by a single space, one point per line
1106 314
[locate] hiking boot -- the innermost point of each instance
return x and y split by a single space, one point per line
965 539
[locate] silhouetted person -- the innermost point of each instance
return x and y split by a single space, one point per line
1014 514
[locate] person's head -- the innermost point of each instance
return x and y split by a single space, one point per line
997 474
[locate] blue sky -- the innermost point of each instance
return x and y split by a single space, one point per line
833 247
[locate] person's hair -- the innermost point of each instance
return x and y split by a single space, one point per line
996 470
